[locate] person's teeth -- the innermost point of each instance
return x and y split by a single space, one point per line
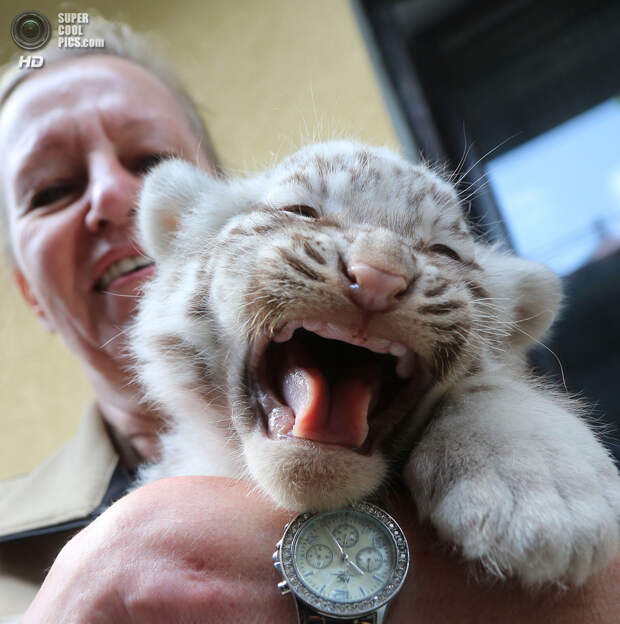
121 267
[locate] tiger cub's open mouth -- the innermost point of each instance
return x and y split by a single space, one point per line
323 382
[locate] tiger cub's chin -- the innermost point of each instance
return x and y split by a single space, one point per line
309 476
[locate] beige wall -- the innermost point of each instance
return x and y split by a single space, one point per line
270 75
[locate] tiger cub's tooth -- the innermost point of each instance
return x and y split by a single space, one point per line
286 333
398 349
333 331
378 345
405 365
311 325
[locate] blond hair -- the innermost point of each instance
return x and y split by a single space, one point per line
120 41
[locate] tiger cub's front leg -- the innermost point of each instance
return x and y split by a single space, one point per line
517 481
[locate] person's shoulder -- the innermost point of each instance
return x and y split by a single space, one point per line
42 509
66 487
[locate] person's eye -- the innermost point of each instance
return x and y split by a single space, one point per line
52 194
145 163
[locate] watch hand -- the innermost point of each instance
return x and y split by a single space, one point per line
354 565
342 553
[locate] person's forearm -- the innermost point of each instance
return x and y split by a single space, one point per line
198 549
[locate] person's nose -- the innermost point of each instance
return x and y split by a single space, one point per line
113 192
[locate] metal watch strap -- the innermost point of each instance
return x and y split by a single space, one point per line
307 615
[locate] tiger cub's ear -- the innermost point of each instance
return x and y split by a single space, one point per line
170 190
530 292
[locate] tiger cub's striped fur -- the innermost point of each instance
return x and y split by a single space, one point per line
321 325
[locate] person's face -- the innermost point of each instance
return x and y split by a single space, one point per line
75 141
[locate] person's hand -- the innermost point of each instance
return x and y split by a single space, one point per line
184 550
198 550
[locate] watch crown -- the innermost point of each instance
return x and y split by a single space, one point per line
275 557
279 544
283 587
278 566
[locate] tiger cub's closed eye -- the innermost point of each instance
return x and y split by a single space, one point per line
444 250
302 211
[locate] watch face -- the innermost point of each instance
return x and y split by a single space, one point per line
346 562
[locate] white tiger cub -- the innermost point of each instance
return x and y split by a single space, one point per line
332 321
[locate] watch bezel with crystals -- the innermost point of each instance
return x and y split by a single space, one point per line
331 608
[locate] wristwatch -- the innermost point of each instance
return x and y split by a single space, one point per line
342 566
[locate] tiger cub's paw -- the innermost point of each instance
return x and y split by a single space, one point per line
557 525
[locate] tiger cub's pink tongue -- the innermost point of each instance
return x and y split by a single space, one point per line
337 416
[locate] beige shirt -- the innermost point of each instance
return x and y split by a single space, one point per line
41 510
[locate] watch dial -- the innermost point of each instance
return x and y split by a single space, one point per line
346 535
319 556
344 556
